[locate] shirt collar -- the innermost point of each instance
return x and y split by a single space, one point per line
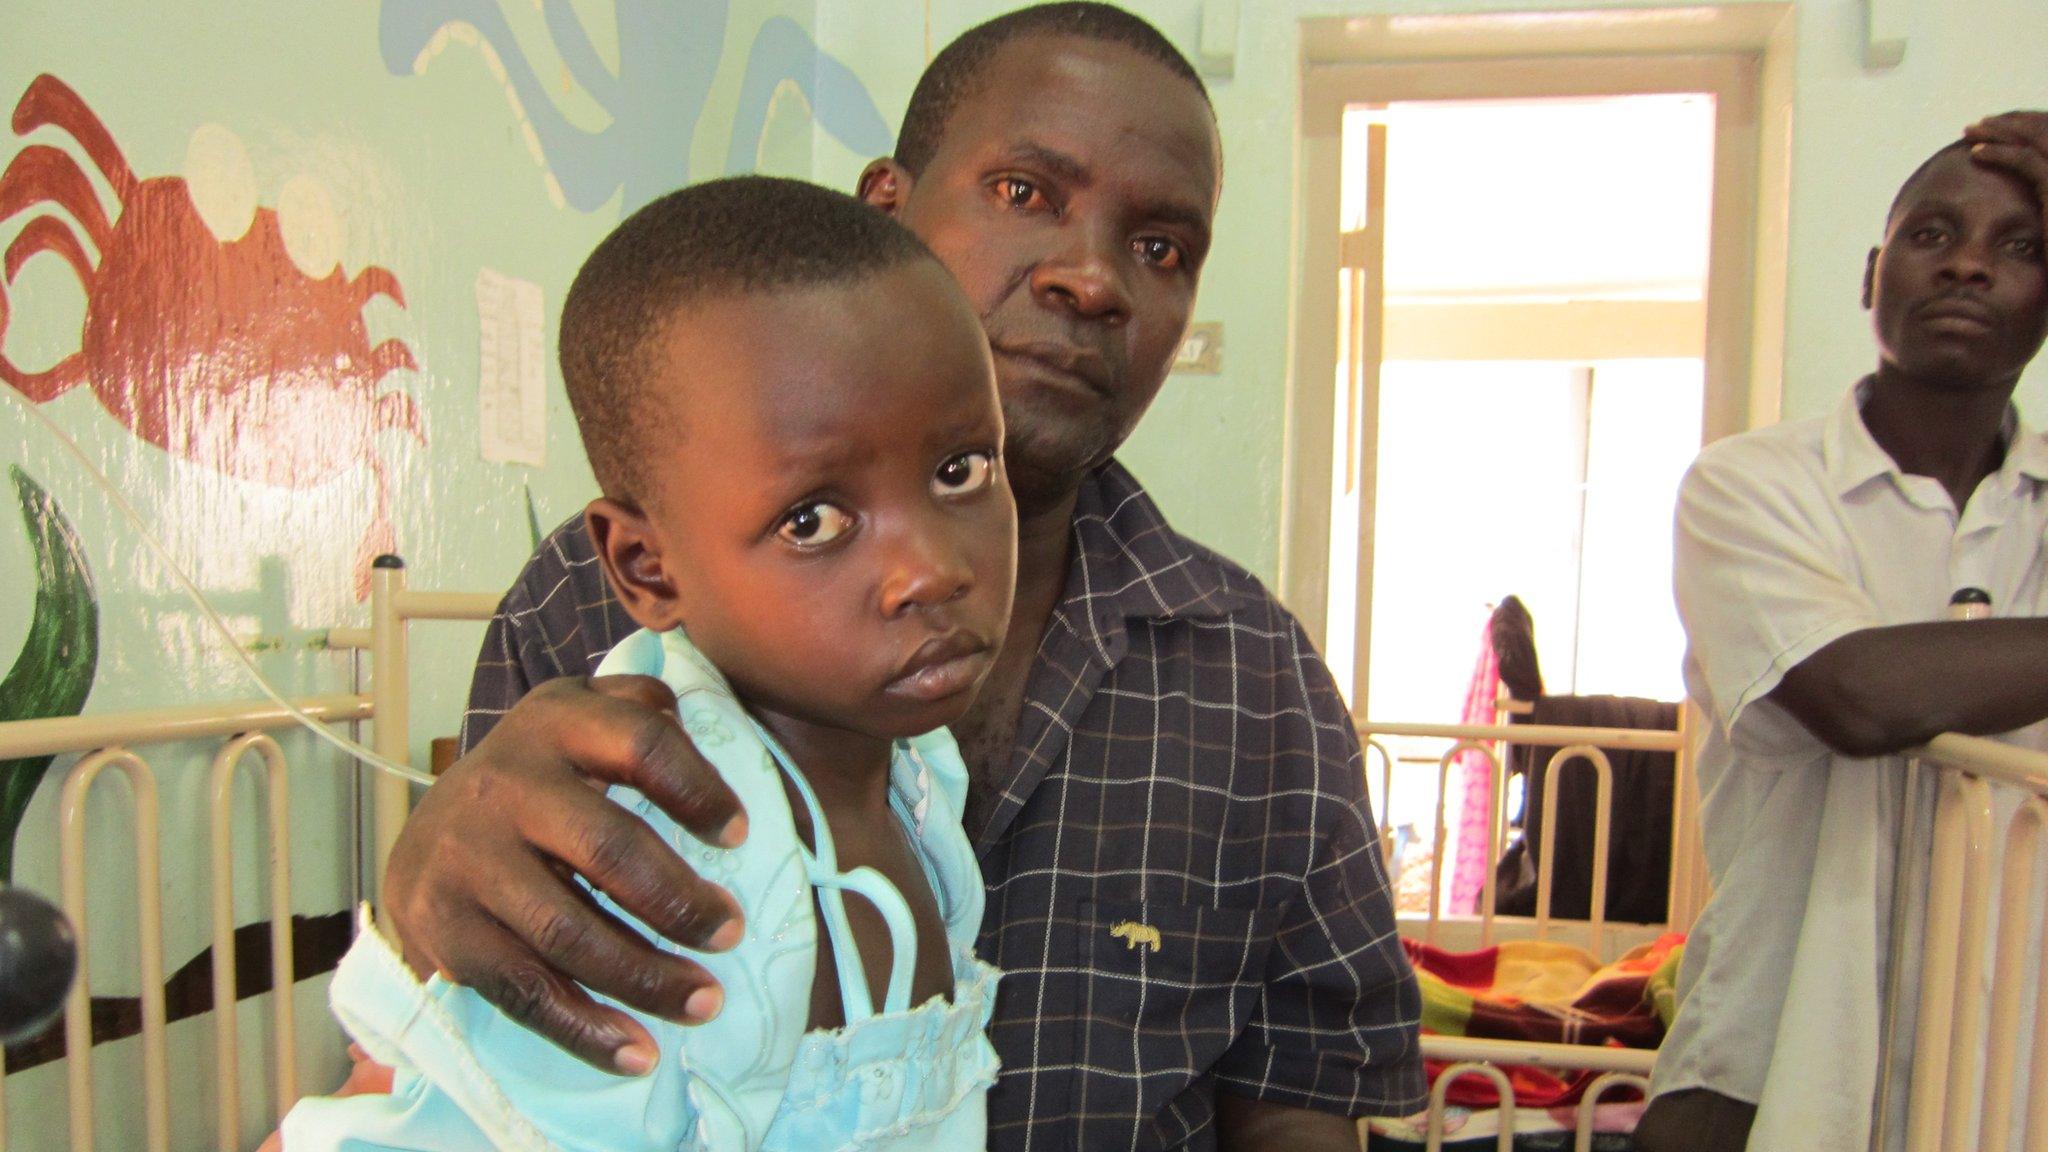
1852 456
1129 564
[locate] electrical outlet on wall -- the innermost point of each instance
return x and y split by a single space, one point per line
1201 350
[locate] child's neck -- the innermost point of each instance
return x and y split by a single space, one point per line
847 771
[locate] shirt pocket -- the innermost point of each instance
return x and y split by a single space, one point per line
1164 989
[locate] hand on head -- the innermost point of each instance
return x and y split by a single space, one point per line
2017 142
479 887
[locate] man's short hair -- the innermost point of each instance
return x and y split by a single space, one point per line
733 237
1912 181
958 71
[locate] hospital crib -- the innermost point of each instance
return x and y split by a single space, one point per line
1964 1056
122 744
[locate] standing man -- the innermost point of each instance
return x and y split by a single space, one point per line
1184 883
1815 565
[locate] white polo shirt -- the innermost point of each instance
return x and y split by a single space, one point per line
1788 538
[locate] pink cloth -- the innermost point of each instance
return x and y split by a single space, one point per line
1471 827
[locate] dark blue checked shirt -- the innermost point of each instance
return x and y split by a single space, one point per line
1184 774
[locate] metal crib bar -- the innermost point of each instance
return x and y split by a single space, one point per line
1688 863
1966 1061
1443 831
1598 1058
1436 855
1384 811
149 899
1496 841
2037 1092
227 1053
1603 804
390 691
1504 1140
1962 824
1634 739
2015 929
1582 1127
61 734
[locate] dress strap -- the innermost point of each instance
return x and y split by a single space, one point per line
822 866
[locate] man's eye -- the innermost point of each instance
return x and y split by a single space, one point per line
1927 234
2028 247
1019 193
1158 251
967 473
814 524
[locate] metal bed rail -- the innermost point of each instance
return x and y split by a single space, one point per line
114 744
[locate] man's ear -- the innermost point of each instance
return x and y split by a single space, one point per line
1870 279
885 184
633 563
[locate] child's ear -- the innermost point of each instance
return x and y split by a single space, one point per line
1869 279
633 563
885 185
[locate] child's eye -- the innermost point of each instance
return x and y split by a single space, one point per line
964 474
814 524
2028 247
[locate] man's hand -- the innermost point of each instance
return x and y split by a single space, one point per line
2017 142
480 886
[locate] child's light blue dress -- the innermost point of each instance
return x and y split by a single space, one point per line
892 1080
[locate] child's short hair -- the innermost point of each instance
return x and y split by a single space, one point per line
722 238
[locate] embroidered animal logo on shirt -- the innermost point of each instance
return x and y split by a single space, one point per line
1133 934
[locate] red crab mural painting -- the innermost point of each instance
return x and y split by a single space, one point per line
223 353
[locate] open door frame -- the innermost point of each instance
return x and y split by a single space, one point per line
1747 67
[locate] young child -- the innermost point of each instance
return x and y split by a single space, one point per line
791 410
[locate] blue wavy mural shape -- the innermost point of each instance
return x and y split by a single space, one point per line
669 55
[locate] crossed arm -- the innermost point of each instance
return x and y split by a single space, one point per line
1883 690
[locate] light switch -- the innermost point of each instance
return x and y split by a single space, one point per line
1201 350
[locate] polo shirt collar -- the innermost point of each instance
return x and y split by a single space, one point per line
1852 456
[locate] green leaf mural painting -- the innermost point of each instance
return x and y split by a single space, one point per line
53 675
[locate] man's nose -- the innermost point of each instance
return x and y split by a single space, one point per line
1084 275
1969 262
926 568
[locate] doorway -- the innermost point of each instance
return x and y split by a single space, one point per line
1531 287
1540 305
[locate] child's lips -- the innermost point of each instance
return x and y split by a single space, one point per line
942 667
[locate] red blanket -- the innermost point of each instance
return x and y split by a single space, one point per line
1542 991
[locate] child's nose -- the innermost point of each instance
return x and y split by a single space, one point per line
926 569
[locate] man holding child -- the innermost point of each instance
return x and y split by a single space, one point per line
1157 746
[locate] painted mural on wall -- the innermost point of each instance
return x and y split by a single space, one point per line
53 674
669 53
221 352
